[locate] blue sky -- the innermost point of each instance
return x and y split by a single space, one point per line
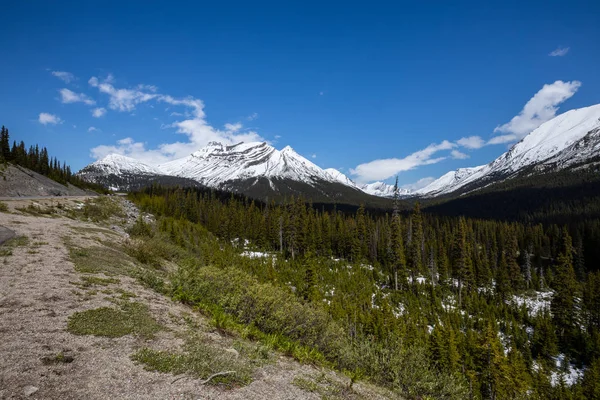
371 88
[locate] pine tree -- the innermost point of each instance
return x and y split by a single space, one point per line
565 287
461 260
591 381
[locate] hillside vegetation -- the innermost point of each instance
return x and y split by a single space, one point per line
427 306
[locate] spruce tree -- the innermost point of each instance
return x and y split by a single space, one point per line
565 288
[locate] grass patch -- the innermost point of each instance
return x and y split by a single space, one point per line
100 259
130 318
7 248
99 209
87 281
3 207
125 295
326 387
199 360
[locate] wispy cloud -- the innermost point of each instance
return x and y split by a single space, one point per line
93 129
386 168
121 99
540 108
559 52
313 156
98 112
196 129
458 155
47 118
64 76
69 96
252 117
471 142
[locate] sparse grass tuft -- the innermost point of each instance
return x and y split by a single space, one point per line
88 281
7 248
131 318
60 358
37 210
325 386
85 229
199 360
3 207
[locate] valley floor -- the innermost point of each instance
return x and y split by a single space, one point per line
41 289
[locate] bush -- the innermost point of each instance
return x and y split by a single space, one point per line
270 309
3 207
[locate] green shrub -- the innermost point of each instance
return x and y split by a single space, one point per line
102 208
270 309
3 207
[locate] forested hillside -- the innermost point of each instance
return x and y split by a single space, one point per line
446 307
38 160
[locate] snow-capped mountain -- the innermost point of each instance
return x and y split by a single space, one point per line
119 172
118 164
340 177
569 139
382 189
255 169
259 170
217 164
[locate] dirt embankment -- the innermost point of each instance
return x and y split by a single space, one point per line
16 181
48 350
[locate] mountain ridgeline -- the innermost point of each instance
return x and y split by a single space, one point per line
568 142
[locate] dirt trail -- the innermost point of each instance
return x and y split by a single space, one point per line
37 295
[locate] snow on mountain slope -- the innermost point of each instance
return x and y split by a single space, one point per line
340 177
118 164
570 138
216 164
382 189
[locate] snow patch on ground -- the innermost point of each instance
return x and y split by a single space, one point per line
569 377
536 304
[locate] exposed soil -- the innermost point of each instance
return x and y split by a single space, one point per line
16 181
40 359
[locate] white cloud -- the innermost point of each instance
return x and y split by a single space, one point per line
121 99
98 112
386 168
252 117
46 118
313 156
68 96
194 126
93 129
421 183
539 109
176 114
64 76
458 155
559 52
471 142
233 127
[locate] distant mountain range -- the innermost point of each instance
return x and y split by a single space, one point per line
570 140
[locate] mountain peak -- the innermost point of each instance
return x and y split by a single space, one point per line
546 146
